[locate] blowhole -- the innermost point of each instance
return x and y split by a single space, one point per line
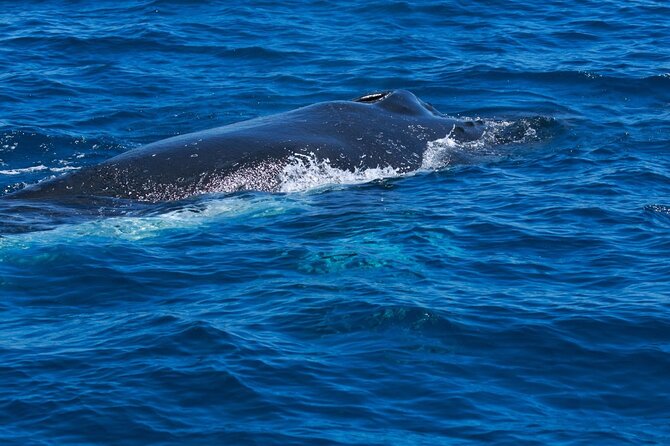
374 97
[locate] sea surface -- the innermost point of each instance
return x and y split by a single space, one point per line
516 294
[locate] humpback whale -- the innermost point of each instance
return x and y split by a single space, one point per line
388 129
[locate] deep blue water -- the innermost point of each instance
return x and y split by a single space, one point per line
518 295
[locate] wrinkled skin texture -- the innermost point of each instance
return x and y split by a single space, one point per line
379 130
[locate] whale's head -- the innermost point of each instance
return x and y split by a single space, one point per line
405 104
399 101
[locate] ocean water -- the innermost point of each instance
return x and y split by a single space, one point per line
517 292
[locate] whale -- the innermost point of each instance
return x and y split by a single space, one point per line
390 129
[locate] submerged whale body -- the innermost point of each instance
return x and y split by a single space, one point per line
390 129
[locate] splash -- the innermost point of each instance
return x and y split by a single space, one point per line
497 136
306 172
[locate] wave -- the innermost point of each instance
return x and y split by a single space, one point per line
150 41
658 82
38 168
31 155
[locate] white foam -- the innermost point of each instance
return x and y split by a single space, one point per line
24 170
304 173
443 152
38 168
436 155
63 169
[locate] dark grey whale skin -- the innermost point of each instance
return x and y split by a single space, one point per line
377 130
